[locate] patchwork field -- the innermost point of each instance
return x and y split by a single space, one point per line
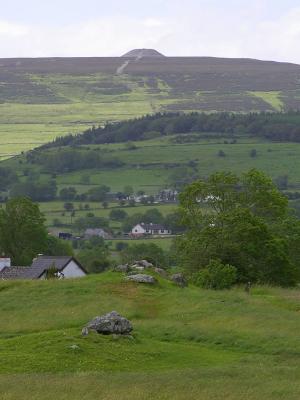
187 343
153 164
41 99
55 209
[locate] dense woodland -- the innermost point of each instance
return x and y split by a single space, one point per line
272 126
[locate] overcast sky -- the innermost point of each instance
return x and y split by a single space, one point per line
264 29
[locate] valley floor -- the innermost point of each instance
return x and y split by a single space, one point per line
187 343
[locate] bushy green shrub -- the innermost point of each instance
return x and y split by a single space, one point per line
216 276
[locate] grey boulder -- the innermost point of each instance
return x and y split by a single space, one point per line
145 263
141 278
179 280
111 323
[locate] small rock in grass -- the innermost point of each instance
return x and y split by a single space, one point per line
74 347
85 331
179 279
141 278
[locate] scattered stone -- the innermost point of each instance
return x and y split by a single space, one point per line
85 331
161 272
74 347
179 279
138 267
145 264
111 323
122 268
141 278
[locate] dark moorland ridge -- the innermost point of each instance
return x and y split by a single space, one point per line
188 83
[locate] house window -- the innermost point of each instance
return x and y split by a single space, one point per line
162 231
135 230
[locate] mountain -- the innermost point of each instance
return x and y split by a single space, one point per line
140 53
42 98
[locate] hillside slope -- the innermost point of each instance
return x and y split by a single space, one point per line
44 98
217 344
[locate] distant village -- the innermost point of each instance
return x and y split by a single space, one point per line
64 267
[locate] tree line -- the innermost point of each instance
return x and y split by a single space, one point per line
272 126
68 160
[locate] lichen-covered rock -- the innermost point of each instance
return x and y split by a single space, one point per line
179 279
141 278
108 324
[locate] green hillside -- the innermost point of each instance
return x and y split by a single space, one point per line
153 164
44 98
187 343
85 163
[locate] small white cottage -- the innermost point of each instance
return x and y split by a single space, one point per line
149 229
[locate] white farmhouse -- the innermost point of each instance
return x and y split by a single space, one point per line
149 229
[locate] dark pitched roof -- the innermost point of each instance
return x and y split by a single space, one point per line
42 263
38 267
152 226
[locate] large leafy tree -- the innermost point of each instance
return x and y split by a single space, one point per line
243 221
58 247
22 231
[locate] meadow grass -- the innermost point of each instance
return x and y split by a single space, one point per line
187 343
149 166
149 179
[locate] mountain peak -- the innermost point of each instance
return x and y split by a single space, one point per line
141 53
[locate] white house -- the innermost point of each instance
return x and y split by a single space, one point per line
65 266
149 229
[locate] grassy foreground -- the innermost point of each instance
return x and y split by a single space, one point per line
188 343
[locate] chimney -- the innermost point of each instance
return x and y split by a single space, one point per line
4 262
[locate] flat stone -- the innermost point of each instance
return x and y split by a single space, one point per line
141 278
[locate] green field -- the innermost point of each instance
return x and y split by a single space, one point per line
150 166
187 343
55 209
